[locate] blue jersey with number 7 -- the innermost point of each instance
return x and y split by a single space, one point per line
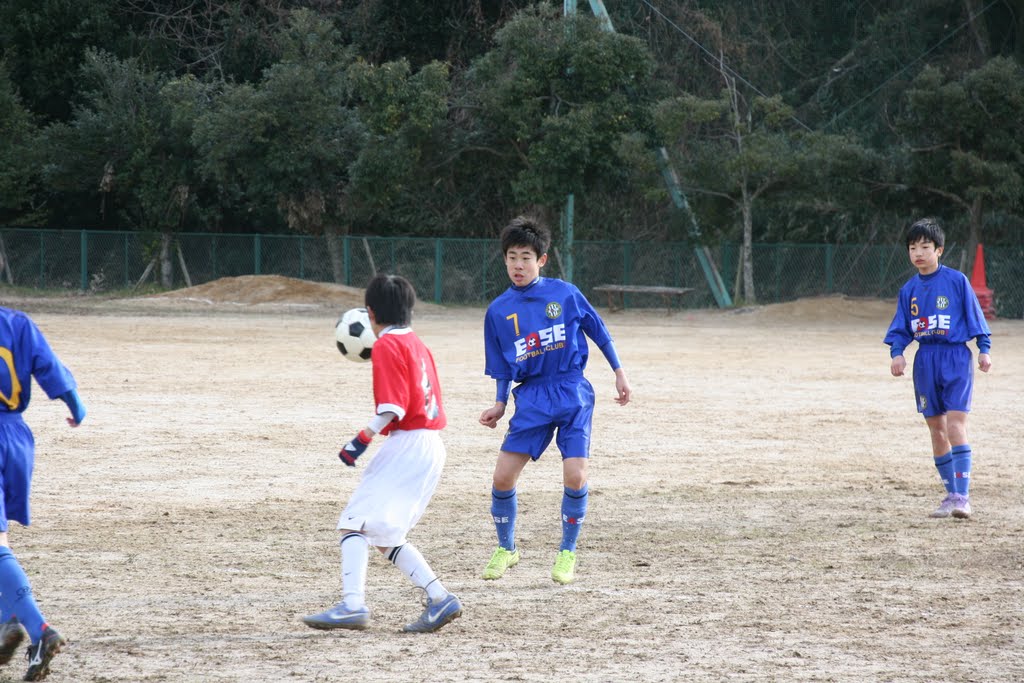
540 331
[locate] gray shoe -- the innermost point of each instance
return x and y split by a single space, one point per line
339 616
961 507
945 508
436 615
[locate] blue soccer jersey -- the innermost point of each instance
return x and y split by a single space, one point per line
24 355
941 311
540 331
938 308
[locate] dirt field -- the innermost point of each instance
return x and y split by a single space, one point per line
759 512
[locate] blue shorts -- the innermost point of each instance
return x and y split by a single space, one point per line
943 378
565 403
17 456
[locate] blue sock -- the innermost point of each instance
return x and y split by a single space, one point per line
504 507
574 511
944 464
961 469
16 595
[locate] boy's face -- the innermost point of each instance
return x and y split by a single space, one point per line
925 256
523 265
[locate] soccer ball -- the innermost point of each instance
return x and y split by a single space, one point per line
354 335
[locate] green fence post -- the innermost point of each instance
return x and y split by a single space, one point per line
627 270
347 256
829 265
42 260
257 253
438 254
126 283
84 250
302 260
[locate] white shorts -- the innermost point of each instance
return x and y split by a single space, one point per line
396 487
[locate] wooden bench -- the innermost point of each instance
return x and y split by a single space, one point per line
617 294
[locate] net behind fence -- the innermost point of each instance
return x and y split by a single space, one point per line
471 271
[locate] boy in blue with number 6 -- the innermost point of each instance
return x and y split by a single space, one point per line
25 355
534 336
938 308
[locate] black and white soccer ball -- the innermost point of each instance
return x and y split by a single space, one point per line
354 335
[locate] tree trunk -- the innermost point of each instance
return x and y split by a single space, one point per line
974 235
334 252
979 30
166 263
749 295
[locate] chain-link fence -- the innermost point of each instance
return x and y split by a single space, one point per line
471 271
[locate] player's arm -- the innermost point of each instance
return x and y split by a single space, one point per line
357 446
984 346
622 388
491 416
898 337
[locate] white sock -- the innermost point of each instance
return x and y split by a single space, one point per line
355 556
409 559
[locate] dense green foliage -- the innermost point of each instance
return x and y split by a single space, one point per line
786 121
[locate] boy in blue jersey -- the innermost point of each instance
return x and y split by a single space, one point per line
939 309
24 355
535 335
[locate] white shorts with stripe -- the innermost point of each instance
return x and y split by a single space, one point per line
396 487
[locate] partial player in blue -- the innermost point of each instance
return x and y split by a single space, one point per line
939 309
535 335
25 354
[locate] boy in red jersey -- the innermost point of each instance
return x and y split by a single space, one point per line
401 479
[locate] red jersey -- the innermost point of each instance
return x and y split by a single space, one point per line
405 382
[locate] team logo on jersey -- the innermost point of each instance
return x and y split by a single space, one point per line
942 303
922 401
535 343
553 310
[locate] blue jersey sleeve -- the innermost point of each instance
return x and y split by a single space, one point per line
899 336
24 355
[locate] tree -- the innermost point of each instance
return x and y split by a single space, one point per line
961 140
739 151
127 149
550 104
291 137
17 131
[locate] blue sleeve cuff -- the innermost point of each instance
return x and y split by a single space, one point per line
895 351
984 343
610 355
504 388
74 404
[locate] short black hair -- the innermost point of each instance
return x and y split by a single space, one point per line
392 298
928 230
526 231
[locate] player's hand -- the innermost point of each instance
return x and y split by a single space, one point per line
622 387
984 362
491 416
354 448
899 364
76 407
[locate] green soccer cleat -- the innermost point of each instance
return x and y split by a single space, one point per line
501 560
564 570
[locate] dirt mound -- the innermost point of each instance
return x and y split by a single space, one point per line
269 289
824 309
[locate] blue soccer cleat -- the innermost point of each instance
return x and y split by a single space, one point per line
339 616
436 615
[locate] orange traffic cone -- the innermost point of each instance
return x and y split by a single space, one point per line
980 288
